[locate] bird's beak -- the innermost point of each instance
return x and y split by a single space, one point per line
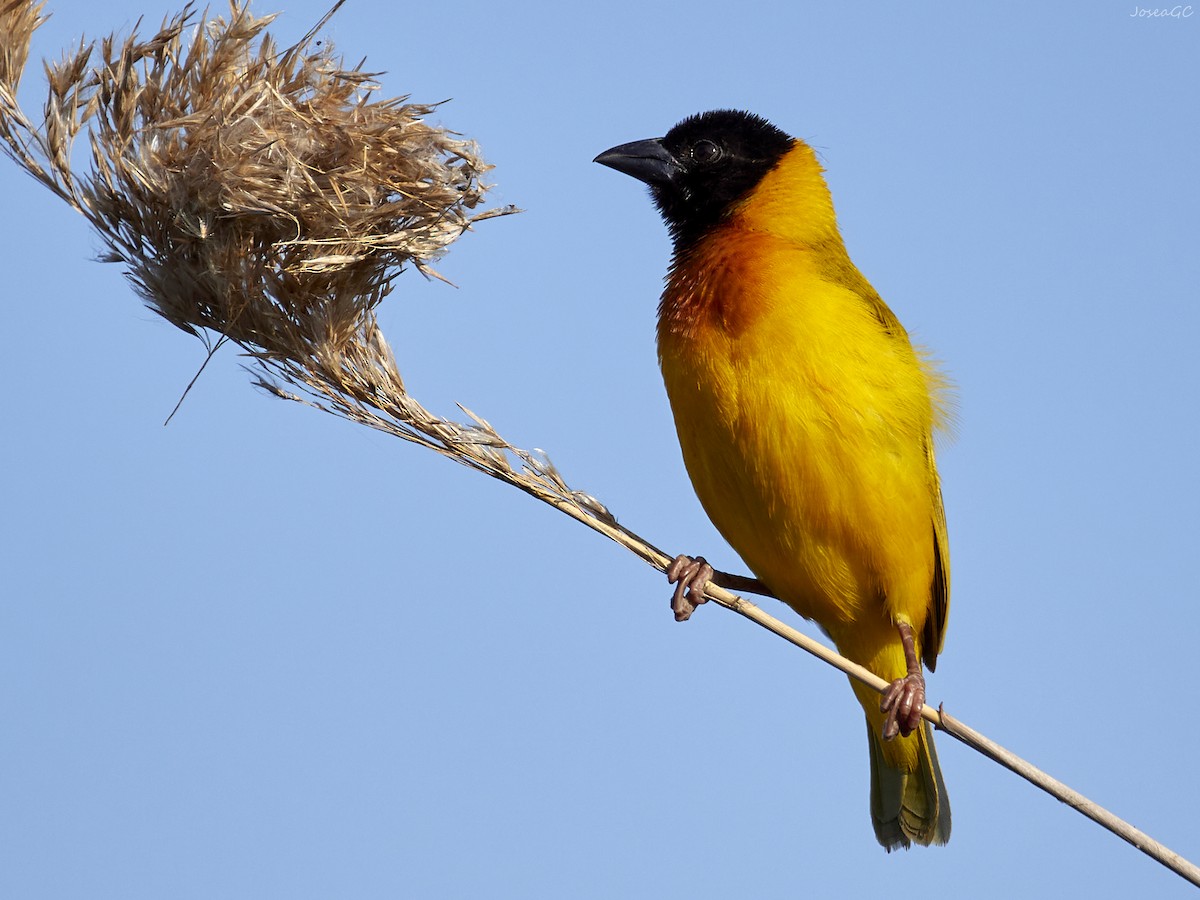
647 161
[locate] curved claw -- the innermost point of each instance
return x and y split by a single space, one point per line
690 577
902 703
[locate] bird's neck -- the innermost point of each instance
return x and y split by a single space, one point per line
791 202
787 219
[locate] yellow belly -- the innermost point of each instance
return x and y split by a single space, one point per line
804 426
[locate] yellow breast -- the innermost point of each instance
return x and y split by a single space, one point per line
804 416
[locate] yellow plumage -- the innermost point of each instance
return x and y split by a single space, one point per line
805 417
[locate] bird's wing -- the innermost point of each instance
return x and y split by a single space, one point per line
939 599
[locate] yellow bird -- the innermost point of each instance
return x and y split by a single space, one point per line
806 420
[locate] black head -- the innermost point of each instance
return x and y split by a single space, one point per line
703 166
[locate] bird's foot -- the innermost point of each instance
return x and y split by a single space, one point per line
904 697
902 703
690 577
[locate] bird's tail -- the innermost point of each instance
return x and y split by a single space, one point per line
908 801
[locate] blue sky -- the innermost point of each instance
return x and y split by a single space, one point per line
265 653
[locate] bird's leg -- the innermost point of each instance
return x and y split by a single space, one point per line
903 699
690 577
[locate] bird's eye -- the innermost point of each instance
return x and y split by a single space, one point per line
705 152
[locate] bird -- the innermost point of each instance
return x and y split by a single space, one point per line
806 418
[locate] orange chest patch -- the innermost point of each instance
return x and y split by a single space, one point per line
722 285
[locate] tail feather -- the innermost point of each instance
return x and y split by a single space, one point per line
908 807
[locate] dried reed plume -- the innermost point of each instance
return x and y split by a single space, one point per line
260 196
